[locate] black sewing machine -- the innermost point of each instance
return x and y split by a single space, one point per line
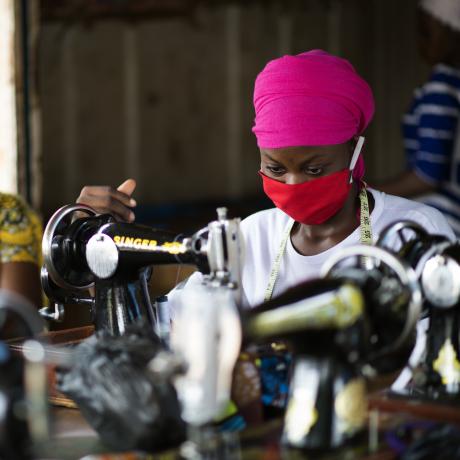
113 258
436 262
359 320
96 252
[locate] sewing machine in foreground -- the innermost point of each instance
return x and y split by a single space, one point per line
96 252
359 320
436 261
113 258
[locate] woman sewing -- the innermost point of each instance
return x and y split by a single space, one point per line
310 113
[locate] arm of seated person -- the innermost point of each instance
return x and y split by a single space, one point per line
22 278
407 185
20 248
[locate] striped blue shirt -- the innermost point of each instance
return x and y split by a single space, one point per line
432 140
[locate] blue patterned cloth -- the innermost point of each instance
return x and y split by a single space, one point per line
274 374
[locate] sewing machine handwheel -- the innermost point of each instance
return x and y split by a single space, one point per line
384 261
59 270
416 250
401 232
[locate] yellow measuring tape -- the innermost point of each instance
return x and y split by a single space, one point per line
365 238
365 218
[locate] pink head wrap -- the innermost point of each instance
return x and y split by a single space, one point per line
313 98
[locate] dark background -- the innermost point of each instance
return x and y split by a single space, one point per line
161 90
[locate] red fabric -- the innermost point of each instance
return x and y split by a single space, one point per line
312 202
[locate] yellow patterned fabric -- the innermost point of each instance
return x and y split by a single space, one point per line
20 231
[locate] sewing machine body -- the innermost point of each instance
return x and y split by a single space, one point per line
112 258
436 261
340 328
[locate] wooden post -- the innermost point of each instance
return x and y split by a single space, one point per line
26 20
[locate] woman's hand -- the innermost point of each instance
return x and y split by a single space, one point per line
105 199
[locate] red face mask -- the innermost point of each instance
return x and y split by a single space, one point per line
312 202
315 201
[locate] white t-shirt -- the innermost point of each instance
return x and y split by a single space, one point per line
263 232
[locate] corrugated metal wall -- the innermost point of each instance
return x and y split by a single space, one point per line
169 101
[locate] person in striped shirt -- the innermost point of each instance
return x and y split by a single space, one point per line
430 127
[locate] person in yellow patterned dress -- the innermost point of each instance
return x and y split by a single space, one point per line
20 248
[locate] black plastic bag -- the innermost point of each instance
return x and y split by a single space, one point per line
117 395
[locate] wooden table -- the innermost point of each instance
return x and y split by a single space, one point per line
74 439
387 403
